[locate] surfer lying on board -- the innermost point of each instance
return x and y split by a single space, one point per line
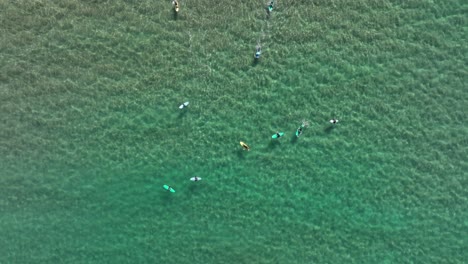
175 3
270 6
245 146
258 51
334 121
184 105
278 135
301 128
168 188
299 131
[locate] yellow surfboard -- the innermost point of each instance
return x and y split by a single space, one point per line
245 146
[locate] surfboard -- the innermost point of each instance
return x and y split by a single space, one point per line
270 6
276 135
245 146
195 179
184 105
258 52
168 188
298 132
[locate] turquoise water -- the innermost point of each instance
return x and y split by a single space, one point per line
91 131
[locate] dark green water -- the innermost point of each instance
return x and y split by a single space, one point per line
90 130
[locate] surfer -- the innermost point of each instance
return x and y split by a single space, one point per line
195 178
258 51
168 188
270 6
301 128
184 105
334 121
245 146
299 131
176 5
278 135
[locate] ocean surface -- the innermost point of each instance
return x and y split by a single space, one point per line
90 131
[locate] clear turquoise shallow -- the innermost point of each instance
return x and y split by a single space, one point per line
91 130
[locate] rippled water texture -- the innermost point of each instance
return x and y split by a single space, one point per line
90 131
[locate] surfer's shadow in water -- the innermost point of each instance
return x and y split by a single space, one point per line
274 143
255 62
196 187
167 198
175 14
182 114
294 139
241 153
329 129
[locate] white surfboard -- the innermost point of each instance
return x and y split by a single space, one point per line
195 179
184 105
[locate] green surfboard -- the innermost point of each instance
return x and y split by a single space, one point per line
168 188
299 130
276 135
270 6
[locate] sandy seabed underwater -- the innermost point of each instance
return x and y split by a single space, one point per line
90 131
